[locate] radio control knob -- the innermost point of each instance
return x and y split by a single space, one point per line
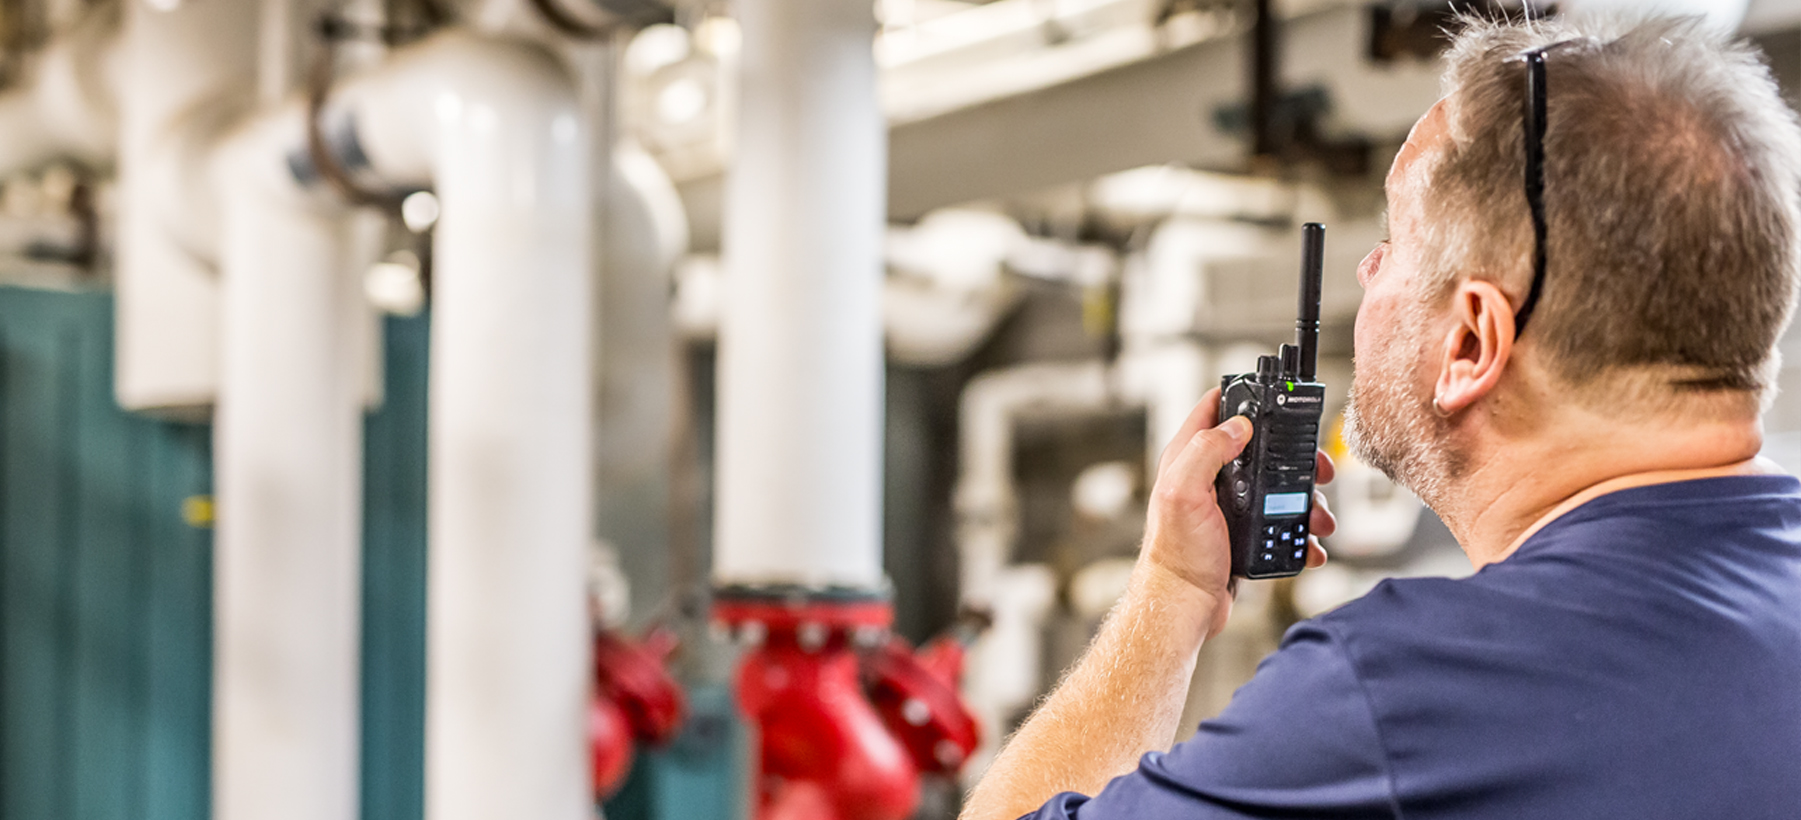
1248 408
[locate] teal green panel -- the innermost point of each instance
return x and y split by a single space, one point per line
105 594
179 629
393 786
105 631
107 556
34 604
699 775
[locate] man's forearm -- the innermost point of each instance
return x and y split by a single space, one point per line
1121 700
1124 697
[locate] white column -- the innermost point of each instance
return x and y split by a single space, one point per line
800 341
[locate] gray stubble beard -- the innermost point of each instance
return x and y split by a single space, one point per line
1396 432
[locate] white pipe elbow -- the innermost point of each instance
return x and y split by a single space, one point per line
992 400
66 109
416 119
986 501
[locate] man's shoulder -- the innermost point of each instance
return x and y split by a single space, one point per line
1629 559
1400 606
1437 632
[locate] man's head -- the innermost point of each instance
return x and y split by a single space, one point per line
1672 179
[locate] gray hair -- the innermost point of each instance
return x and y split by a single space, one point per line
1672 199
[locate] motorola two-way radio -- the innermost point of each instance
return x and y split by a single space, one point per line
1267 492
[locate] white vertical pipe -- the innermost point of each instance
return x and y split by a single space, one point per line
496 128
800 361
288 461
510 484
181 71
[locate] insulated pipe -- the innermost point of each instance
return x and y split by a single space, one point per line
986 501
493 126
1002 673
1163 377
186 73
800 358
288 466
1167 293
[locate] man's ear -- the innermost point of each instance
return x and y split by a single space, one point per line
1477 347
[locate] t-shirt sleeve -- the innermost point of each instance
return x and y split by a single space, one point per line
1299 740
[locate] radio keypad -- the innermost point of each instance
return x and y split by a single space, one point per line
1283 543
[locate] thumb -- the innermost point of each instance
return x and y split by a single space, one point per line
1209 450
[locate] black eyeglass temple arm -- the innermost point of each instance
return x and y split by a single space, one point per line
1535 180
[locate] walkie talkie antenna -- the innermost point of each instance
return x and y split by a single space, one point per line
1306 323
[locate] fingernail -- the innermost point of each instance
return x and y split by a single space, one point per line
1238 427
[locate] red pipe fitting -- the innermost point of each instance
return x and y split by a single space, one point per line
849 717
825 753
609 745
916 694
635 701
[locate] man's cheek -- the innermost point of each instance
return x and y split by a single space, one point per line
1359 321
1367 330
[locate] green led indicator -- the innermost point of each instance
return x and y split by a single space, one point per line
1289 385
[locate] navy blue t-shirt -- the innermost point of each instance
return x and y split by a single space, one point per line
1639 657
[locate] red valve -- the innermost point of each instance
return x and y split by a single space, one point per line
634 676
845 731
635 699
609 744
824 751
916 695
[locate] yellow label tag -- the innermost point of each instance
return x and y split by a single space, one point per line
197 510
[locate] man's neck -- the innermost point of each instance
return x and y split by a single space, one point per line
1520 485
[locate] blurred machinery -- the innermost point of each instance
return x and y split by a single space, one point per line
840 347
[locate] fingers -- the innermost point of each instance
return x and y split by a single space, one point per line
1316 554
1321 520
1323 468
1204 415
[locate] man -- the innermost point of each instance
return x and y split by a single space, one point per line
1631 644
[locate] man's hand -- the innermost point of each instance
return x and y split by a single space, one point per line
1185 532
